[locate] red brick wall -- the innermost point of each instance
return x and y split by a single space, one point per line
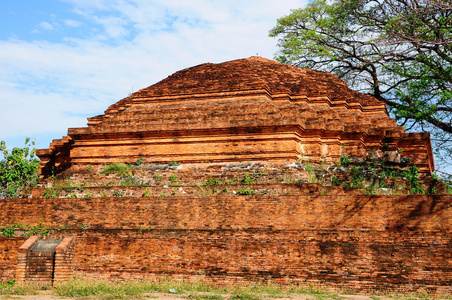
365 241
9 248
348 258
416 212
64 258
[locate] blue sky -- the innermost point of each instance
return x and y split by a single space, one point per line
63 61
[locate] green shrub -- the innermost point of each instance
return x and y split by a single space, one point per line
345 160
357 178
18 169
413 176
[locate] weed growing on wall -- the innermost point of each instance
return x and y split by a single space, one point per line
345 161
146 193
336 181
116 168
246 192
413 176
129 180
118 193
356 177
212 181
138 162
247 179
310 170
29 230
308 167
8 230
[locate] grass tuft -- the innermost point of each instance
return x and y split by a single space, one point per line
116 168
196 290
13 288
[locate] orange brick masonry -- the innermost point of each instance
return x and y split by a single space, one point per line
366 242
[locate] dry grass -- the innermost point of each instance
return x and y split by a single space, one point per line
197 290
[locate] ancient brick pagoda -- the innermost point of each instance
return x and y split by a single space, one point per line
251 109
232 176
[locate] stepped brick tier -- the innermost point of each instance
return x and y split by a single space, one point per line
251 109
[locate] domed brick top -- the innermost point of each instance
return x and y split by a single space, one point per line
251 109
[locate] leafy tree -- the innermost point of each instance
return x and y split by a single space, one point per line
18 169
399 51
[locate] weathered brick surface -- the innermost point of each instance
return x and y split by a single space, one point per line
250 109
378 259
235 212
64 260
22 257
366 242
40 267
9 260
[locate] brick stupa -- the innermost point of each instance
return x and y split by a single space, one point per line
251 109
257 196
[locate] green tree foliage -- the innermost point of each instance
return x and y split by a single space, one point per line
399 51
18 169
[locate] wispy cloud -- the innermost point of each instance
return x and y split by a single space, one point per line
45 26
72 23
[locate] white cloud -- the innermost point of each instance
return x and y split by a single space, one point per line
114 27
46 87
45 26
72 23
